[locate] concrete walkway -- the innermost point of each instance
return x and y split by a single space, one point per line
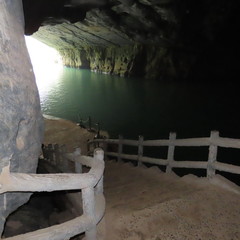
147 204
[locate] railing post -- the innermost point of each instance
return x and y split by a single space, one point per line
120 147
90 123
44 152
88 196
105 149
98 131
140 149
212 154
171 148
99 156
57 154
89 211
50 152
64 162
78 165
89 147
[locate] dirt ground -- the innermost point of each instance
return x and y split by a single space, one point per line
146 204
61 131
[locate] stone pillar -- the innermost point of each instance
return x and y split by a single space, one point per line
21 123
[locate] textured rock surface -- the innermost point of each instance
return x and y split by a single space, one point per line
157 39
20 117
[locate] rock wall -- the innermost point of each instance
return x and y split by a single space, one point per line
148 61
73 57
21 122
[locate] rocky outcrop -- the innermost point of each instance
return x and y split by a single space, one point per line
75 58
166 38
20 118
150 61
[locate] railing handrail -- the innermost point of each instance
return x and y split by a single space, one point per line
23 182
211 164
185 142
90 183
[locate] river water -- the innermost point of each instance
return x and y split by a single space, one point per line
133 107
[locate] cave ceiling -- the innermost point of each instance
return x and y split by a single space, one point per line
121 22
190 37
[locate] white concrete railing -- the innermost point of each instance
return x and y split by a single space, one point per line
91 185
211 165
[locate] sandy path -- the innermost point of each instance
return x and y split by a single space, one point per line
147 204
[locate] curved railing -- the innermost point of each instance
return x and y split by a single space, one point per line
211 165
91 185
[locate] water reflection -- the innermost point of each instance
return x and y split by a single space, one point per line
134 106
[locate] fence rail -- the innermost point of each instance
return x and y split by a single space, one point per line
211 164
90 184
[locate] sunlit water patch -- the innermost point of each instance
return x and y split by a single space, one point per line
47 66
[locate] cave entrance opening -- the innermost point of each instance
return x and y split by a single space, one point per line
46 62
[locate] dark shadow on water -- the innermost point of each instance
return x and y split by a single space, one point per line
191 154
134 106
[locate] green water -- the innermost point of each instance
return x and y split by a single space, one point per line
133 107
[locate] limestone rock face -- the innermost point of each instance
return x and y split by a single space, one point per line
179 39
149 61
20 117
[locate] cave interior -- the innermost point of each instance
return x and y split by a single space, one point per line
156 39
